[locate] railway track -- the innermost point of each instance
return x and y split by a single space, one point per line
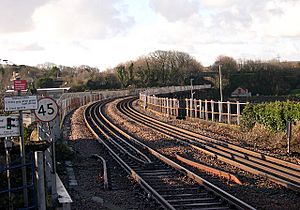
171 185
282 172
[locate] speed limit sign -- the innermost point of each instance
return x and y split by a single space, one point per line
47 109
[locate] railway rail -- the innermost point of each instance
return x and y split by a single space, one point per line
282 172
171 185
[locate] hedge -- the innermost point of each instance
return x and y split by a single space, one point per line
273 115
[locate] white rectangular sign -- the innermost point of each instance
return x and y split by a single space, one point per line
20 103
9 126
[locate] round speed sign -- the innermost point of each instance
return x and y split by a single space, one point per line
47 109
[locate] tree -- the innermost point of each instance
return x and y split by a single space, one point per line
45 82
228 65
54 72
122 75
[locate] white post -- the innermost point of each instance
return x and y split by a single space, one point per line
200 109
212 110
205 110
187 107
238 112
191 107
168 107
177 107
195 105
39 162
192 89
220 106
228 112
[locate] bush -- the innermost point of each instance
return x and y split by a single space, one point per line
63 152
273 115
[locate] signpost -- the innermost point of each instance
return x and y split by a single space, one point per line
18 103
46 112
9 126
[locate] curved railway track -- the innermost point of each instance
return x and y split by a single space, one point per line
282 172
171 185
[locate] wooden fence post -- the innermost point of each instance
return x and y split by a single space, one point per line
200 109
228 112
238 111
177 107
172 106
220 107
212 110
195 105
187 107
205 110
168 107
191 107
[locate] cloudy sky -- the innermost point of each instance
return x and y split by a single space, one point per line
104 33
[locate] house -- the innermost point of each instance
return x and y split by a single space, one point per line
240 92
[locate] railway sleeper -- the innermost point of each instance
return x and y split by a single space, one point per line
189 195
172 190
201 204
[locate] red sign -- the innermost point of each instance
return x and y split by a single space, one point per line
20 85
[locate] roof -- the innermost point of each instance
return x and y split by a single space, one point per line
42 89
49 89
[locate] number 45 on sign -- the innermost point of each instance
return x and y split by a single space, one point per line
47 109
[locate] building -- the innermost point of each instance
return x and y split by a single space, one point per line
240 92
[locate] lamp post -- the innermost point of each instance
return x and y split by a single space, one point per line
220 82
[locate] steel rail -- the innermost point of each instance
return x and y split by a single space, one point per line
220 142
103 129
286 176
105 176
107 126
231 199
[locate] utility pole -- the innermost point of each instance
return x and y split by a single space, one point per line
22 151
192 89
220 83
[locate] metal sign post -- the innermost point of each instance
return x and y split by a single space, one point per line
22 154
46 112
39 161
8 146
53 167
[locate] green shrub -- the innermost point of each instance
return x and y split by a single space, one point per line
273 115
63 151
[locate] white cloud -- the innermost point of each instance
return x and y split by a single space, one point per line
217 3
287 22
106 32
16 15
30 47
79 19
176 9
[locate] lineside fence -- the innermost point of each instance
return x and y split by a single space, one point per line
216 111
70 101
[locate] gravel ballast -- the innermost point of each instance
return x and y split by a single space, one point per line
89 193
255 190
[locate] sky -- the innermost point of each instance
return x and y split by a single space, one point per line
105 33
